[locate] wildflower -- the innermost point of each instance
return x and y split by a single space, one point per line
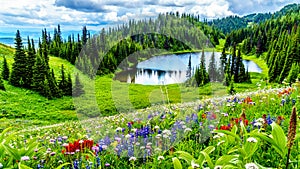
258 124
221 142
195 165
216 137
187 130
64 137
218 167
81 141
251 140
167 132
292 128
118 129
251 166
158 136
52 154
132 158
65 145
1 165
25 158
107 164
159 158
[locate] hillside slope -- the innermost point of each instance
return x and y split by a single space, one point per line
26 104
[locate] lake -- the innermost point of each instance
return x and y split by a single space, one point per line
171 69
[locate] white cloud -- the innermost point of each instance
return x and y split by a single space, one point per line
97 13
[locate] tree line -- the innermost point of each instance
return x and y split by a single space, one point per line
278 39
31 70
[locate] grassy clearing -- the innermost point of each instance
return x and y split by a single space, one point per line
109 96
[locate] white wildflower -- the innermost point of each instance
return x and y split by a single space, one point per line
187 130
25 158
132 158
251 166
252 140
195 165
159 158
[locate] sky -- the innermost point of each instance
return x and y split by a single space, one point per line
96 14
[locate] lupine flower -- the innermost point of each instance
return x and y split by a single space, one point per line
251 166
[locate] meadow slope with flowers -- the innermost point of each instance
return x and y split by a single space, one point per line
248 130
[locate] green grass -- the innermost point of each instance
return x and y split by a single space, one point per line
102 93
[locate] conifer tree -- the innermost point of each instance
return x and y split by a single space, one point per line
78 87
30 61
68 90
19 66
212 68
62 83
293 74
39 74
5 69
2 87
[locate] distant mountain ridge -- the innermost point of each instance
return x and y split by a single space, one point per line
228 24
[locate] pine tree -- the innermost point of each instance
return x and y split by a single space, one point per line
62 83
231 89
30 61
2 87
54 89
212 68
5 69
293 74
39 74
78 87
68 89
189 68
19 66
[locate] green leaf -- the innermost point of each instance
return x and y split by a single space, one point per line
176 163
23 166
250 149
207 159
185 156
229 133
201 157
62 165
279 137
297 137
266 138
226 159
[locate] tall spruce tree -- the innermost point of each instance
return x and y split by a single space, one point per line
212 68
19 66
78 87
39 74
68 89
2 87
62 84
5 69
30 61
